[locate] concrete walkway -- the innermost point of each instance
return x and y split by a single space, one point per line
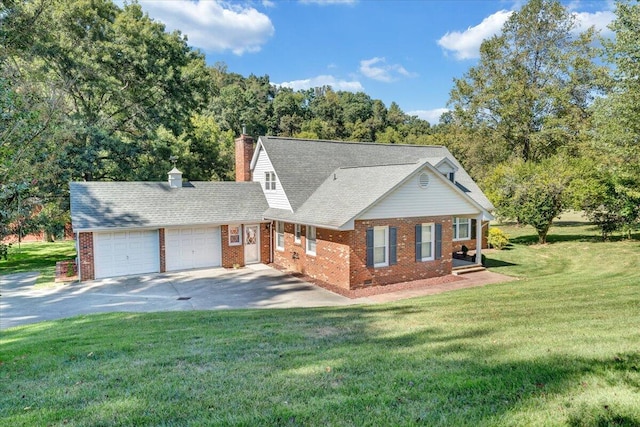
257 286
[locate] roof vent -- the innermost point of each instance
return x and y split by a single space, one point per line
175 178
423 180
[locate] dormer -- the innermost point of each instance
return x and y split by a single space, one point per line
447 168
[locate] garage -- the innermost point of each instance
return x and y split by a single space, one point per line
126 252
188 248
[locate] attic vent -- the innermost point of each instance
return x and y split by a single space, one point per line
423 180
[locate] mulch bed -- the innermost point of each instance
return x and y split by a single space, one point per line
375 290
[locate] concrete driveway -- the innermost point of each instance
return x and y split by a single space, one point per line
257 286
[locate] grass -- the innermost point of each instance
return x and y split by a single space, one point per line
40 257
561 346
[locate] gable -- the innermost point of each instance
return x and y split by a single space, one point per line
439 197
260 165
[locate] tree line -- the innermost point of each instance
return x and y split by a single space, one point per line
547 119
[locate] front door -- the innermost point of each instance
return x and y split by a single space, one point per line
251 244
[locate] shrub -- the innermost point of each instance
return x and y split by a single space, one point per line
497 238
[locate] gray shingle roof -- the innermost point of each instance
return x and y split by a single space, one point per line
346 193
303 165
105 205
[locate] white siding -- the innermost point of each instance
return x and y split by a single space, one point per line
276 199
409 200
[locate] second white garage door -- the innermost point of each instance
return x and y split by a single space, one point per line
187 248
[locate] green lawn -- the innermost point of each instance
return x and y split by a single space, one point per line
561 346
38 256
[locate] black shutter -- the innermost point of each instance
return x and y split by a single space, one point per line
369 247
438 241
418 242
393 252
473 228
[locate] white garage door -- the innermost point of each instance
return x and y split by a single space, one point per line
188 248
126 252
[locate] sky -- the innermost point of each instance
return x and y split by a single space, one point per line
407 51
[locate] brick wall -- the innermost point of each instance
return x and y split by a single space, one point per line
85 248
329 264
407 268
163 247
265 243
231 255
244 153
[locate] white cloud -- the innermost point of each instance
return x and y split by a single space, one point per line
377 69
324 80
268 4
432 116
466 44
599 20
212 25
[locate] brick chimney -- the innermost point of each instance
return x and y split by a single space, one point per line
244 152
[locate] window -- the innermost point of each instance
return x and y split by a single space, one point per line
461 228
235 234
269 180
280 235
426 242
452 176
380 246
297 233
311 240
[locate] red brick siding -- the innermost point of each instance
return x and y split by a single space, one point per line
265 243
163 247
329 264
85 248
407 268
244 153
231 255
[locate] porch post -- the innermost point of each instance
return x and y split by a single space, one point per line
479 239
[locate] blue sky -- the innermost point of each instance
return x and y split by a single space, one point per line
403 51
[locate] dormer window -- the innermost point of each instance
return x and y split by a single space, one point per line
270 181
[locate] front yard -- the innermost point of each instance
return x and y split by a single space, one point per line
38 256
561 346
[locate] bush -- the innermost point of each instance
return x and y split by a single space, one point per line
497 238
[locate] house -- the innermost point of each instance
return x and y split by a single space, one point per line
345 213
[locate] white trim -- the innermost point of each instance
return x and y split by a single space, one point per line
386 247
309 240
431 225
278 235
239 234
297 233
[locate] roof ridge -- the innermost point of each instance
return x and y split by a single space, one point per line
332 141
377 166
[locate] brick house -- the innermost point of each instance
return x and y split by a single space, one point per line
349 214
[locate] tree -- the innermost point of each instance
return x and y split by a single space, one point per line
531 193
530 92
616 202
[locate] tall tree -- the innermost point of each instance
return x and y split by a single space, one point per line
617 125
530 92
